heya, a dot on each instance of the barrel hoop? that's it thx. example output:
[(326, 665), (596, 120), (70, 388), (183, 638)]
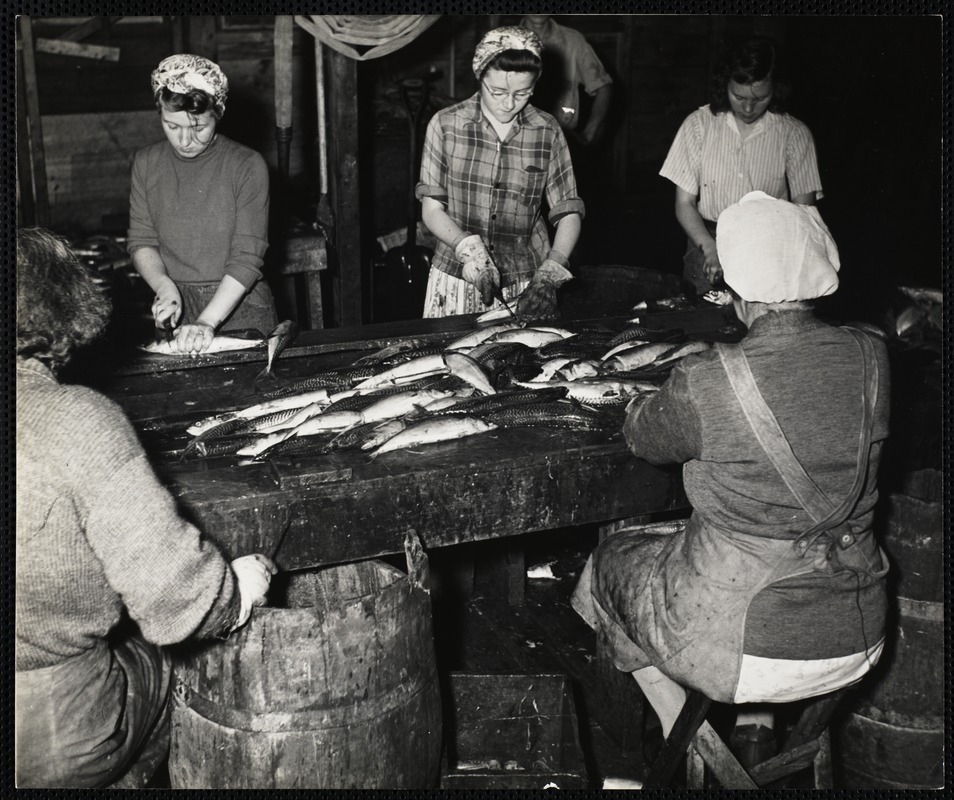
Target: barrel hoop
[(921, 609), (306, 719)]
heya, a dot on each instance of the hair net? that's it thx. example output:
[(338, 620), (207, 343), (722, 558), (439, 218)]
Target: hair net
[(774, 251), (500, 39)]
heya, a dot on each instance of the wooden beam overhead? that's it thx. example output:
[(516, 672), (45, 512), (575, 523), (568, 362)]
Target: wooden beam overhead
[(60, 47)]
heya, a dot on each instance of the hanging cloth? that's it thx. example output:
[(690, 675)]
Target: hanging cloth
[(379, 34)]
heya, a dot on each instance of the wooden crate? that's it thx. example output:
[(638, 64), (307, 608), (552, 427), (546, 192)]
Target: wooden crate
[(512, 732)]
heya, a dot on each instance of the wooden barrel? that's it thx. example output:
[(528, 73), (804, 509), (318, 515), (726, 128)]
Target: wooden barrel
[(334, 685), (893, 734)]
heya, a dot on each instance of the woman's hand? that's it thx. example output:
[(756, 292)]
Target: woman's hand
[(194, 338), (711, 267), (168, 302)]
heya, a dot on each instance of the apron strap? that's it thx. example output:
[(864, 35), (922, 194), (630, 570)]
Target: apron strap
[(773, 441)]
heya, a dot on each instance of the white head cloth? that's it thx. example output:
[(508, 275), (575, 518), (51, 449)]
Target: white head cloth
[(500, 39), (185, 72), (774, 251)]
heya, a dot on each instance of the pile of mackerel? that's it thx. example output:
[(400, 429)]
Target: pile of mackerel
[(415, 393)]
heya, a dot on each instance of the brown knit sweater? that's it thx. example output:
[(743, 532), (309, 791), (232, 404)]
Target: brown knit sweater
[(97, 532)]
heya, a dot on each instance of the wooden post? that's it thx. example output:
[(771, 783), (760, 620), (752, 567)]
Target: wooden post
[(41, 196), (342, 93)]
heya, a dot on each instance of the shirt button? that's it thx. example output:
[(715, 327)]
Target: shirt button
[(496, 186), (493, 216)]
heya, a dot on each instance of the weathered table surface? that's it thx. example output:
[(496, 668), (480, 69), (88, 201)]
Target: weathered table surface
[(320, 510)]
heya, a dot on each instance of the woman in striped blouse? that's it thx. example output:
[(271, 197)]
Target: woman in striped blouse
[(740, 142)]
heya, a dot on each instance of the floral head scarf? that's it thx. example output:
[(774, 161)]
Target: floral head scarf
[(184, 73), (500, 39)]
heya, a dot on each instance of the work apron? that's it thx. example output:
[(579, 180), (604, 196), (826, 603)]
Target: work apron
[(99, 719), (689, 601), (693, 263), (255, 312)]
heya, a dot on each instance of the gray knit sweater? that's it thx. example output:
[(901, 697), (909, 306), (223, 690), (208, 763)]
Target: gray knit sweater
[(97, 532)]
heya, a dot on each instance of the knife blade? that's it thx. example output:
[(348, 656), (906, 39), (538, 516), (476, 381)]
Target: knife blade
[(498, 295)]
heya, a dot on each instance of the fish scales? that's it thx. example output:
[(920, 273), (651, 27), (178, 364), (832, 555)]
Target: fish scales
[(409, 355), (510, 352), (552, 415), (316, 444), (568, 349), (283, 335), (331, 379), (646, 334), (512, 397), (431, 431)]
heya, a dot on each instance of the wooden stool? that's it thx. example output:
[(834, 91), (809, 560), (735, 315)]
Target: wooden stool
[(807, 744)]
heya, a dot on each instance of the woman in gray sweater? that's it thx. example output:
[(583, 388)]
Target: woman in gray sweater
[(106, 570)]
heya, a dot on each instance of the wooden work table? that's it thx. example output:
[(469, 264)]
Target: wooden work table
[(321, 510)]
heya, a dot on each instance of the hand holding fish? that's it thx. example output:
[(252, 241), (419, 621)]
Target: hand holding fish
[(168, 303), (538, 300), (195, 338), (479, 268)]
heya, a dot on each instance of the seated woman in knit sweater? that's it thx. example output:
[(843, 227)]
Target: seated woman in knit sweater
[(198, 212), (106, 570)]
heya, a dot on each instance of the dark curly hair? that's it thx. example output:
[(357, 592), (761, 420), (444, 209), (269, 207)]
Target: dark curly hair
[(59, 306), (194, 103), (751, 61)]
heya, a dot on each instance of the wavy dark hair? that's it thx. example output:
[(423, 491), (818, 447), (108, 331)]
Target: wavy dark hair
[(515, 61), (59, 306), (751, 61), (194, 103)]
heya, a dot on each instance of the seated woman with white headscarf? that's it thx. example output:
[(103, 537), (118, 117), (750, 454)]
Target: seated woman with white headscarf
[(775, 587)]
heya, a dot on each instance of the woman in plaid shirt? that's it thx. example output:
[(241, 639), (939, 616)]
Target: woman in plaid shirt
[(489, 164)]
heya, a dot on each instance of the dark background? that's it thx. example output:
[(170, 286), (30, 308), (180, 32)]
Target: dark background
[(868, 87)]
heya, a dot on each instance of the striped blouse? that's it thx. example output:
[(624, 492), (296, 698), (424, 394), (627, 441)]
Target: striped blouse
[(498, 188), (709, 159)]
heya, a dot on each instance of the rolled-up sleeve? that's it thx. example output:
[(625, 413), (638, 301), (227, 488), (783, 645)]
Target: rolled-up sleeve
[(142, 230), (562, 196), (801, 161), (666, 429), (683, 161), (250, 240), (433, 182)]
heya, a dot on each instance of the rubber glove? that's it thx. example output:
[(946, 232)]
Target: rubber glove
[(538, 300), (254, 575), (168, 303), (479, 268)]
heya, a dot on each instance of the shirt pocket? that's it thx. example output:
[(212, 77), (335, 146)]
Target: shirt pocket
[(534, 182)]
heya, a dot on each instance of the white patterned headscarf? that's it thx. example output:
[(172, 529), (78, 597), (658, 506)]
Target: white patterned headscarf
[(500, 39), (185, 72), (774, 251)]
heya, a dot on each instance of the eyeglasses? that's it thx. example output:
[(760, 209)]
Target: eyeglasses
[(500, 94)]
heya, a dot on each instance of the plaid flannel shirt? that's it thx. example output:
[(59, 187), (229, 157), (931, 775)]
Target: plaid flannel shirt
[(497, 189)]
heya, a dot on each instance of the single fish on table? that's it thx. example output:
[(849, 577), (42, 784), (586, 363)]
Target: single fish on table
[(220, 344), (430, 431), (531, 337), (598, 392), (410, 370), (480, 336), (634, 357), (470, 370), (259, 410), (283, 335), (559, 414)]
